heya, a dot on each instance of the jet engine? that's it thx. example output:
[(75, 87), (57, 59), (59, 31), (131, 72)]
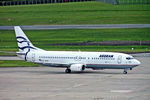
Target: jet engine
[(77, 67)]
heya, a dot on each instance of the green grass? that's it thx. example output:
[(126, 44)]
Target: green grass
[(74, 13), (43, 39), (16, 64), (134, 1), (126, 49)]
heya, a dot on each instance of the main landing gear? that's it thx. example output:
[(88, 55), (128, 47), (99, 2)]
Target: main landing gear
[(67, 70)]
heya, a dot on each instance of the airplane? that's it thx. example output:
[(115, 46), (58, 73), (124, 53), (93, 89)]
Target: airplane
[(72, 60)]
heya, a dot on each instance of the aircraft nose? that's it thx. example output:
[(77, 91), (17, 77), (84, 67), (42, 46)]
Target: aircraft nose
[(138, 62)]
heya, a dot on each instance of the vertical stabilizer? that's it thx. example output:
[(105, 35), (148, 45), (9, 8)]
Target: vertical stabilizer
[(24, 44), (22, 40)]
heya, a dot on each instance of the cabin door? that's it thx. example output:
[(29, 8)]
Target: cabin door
[(119, 60), (33, 57)]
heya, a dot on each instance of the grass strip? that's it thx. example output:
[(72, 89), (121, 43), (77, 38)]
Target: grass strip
[(17, 64), (43, 39), (78, 13)]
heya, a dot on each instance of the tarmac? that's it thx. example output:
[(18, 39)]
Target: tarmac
[(46, 83)]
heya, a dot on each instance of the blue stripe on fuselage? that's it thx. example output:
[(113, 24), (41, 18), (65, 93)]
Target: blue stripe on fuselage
[(107, 66)]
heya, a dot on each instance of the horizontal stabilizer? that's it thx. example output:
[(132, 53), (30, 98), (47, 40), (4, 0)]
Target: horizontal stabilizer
[(20, 53)]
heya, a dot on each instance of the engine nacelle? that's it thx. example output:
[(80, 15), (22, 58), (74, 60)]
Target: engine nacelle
[(77, 67)]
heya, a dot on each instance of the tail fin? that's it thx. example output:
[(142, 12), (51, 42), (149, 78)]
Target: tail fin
[(24, 44)]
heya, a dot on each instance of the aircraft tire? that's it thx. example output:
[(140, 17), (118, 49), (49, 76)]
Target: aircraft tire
[(67, 71), (125, 72)]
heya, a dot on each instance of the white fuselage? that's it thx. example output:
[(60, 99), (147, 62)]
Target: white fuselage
[(73, 61), (94, 60)]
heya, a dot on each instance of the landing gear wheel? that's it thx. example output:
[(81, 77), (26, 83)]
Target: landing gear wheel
[(125, 72), (67, 71), (130, 68)]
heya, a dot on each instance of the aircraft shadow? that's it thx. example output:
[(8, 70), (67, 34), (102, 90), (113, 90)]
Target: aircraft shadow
[(84, 72)]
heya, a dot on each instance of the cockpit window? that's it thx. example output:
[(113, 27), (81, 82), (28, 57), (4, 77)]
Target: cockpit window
[(129, 58)]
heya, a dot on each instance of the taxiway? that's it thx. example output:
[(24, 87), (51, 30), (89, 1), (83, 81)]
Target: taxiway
[(100, 26), (46, 83)]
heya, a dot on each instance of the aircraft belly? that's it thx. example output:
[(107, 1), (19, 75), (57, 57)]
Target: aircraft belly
[(55, 65), (102, 66)]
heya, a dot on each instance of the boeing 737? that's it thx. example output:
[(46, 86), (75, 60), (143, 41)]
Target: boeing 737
[(72, 60)]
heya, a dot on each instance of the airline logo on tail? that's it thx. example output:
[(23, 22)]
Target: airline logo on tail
[(24, 40), (24, 44)]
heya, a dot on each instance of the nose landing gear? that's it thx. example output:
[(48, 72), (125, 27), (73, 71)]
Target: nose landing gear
[(126, 69), (125, 72)]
